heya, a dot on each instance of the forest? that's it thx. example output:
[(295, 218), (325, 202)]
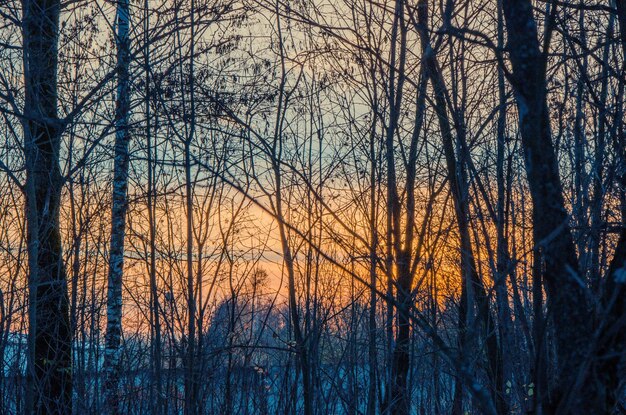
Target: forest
[(317, 207)]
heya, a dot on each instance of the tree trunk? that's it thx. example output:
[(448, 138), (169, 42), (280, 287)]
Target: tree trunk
[(568, 304), (611, 355), (156, 395), (49, 328), (190, 381), (506, 353), (398, 400), (112, 351), (372, 354), (472, 289)]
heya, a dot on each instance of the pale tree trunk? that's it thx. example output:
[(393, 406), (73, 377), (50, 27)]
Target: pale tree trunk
[(119, 208)]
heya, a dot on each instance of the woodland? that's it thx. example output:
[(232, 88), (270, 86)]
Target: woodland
[(317, 207)]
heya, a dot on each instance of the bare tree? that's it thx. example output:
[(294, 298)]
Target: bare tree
[(51, 344), (119, 208)]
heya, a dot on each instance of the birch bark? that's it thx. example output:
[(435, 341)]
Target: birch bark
[(118, 211)]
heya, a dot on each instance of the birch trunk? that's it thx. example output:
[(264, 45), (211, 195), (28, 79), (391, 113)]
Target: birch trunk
[(118, 211)]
